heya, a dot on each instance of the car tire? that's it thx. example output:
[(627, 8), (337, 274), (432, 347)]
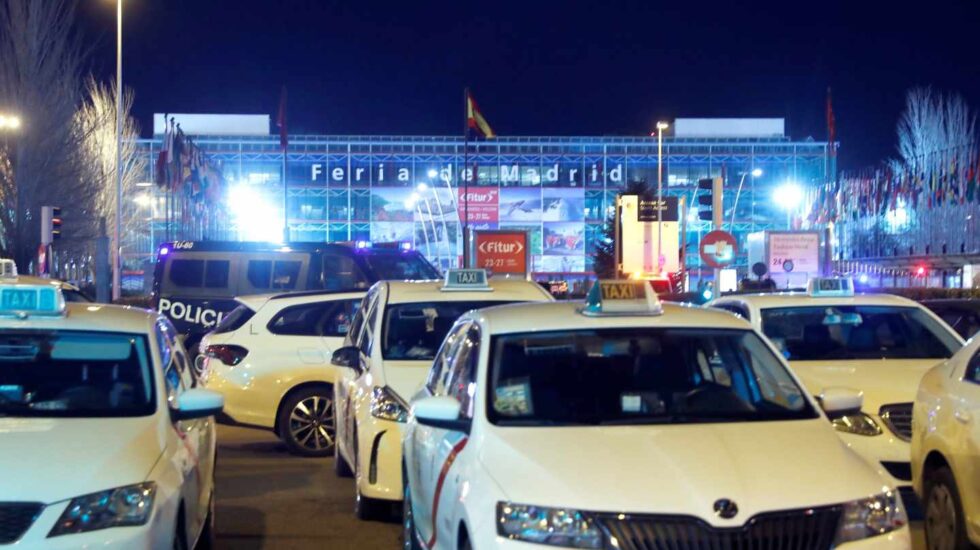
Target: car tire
[(410, 542), (944, 523), (371, 509), (207, 538), (306, 422)]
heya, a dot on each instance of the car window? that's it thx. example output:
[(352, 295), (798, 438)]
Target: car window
[(341, 273), (187, 272), (436, 381), (414, 331), (234, 320), (973, 369), (367, 333), (285, 274), (330, 318), (216, 273), (400, 266), (462, 376), (629, 376), (75, 373), (835, 332), (737, 309), (259, 273)]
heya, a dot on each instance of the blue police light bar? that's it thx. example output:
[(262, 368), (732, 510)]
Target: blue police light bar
[(619, 298), (468, 280), (830, 287), (23, 301)]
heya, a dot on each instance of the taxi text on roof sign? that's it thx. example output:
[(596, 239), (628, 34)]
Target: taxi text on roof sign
[(613, 297), (466, 280), (833, 287), (26, 300)]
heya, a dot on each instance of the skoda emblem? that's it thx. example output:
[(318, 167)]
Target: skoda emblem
[(725, 508)]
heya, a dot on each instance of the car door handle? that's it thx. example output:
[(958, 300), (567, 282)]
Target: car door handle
[(964, 417)]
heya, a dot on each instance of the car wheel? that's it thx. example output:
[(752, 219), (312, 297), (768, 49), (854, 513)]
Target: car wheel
[(408, 520), (944, 525), (306, 422), (206, 540)]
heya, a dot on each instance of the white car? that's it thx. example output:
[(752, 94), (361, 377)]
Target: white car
[(106, 442), (393, 338), (629, 424), (946, 450), (878, 344), (270, 358)]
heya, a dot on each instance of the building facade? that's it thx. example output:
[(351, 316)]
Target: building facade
[(407, 188)]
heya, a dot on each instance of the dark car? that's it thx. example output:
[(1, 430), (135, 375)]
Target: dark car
[(962, 314), (195, 282)]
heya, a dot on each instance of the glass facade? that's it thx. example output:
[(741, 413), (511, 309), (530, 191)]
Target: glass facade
[(394, 188)]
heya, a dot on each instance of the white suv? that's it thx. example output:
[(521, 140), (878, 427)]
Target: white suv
[(270, 358)]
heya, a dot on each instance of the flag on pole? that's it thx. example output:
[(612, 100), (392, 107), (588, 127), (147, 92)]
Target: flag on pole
[(475, 120), (281, 121), (831, 125)]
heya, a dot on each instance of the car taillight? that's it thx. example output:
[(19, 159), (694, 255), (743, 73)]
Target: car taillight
[(229, 355)]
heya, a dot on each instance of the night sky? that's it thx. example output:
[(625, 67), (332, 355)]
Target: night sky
[(543, 67)]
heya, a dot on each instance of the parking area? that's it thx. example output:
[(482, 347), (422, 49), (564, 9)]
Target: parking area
[(268, 498)]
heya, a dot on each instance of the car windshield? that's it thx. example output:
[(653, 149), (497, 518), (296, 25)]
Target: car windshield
[(630, 376), (414, 332), (74, 374), (400, 266), (819, 333)]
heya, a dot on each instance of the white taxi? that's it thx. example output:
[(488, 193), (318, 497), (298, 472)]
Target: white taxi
[(878, 344), (946, 450), (392, 341), (630, 424), (270, 358), (106, 442)]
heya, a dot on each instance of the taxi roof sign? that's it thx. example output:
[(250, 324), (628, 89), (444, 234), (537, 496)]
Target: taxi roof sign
[(8, 268), (621, 297), (830, 287), (466, 280), (23, 301)]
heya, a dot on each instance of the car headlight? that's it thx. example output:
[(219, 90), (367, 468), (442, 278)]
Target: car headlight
[(130, 505), (870, 517), (541, 525), (387, 406), (856, 423)]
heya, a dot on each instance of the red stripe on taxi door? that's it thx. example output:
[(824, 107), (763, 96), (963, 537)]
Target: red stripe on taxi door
[(442, 478)]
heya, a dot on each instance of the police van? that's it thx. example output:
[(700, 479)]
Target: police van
[(195, 282)]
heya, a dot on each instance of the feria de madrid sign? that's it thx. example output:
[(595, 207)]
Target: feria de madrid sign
[(382, 174)]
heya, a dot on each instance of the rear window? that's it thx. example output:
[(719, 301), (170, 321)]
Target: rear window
[(414, 332), (73, 373), (234, 320)]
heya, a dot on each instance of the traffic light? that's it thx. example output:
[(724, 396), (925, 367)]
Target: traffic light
[(50, 224), (709, 200)]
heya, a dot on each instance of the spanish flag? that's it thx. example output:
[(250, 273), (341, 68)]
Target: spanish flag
[(475, 120)]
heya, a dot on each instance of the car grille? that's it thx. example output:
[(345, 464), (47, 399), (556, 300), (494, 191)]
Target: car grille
[(16, 518), (797, 530), (898, 418)]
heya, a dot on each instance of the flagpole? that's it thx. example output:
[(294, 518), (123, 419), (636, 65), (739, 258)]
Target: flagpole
[(466, 182), (285, 203)]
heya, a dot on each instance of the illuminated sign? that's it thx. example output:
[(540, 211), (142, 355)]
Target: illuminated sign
[(502, 251)]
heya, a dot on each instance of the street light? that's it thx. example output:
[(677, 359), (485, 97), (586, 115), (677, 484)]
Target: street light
[(788, 196), (755, 173), (9, 122), (661, 126), (117, 232)]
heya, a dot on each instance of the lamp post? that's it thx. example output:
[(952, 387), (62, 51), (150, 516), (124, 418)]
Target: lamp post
[(788, 196), (117, 231), (755, 173), (661, 126)]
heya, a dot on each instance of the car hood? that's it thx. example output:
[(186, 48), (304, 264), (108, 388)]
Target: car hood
[(406, 377), (882, 381), (679, 469), (53, 459)]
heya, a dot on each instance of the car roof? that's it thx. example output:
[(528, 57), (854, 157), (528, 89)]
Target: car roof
[(32, 280), (531, 317), (798, 299), (283, 299), (85, 316), (402, 292), (956, 303)]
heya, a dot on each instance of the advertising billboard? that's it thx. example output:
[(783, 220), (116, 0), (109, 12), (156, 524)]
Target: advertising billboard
[(639, 239), (480, 205), (502, 251)]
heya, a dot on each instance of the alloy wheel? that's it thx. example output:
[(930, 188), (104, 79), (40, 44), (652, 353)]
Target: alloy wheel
[(940, 519), (311, 423)]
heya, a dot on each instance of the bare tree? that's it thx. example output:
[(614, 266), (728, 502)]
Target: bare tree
[(95, 133), (934, 127), (41, 59)]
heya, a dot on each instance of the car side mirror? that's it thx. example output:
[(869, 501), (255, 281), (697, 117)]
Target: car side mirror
[(347, 356), (440, 412), (838, 402), (197, 403)]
